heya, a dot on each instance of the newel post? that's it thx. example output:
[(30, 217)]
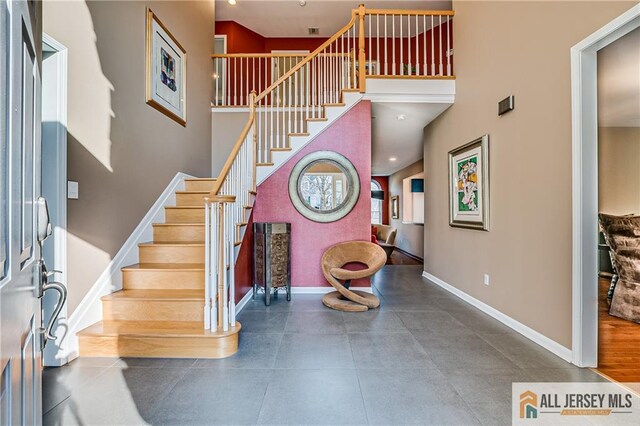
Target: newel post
[(222, 306), (362, 69)]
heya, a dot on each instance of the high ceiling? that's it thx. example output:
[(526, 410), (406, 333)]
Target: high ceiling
[(399, 139), (619, 82), (286, 18)]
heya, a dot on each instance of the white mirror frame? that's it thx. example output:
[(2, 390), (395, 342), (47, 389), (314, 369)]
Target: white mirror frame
[(353, 186)]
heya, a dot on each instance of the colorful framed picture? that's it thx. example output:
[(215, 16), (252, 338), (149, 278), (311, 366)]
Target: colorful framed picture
[(395, 207), (469, 185), (166, 71)]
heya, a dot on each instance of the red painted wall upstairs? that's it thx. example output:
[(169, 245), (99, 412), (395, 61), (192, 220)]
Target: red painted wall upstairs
[(350, 136)]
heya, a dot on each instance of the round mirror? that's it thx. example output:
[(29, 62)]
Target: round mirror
[(324, 186)]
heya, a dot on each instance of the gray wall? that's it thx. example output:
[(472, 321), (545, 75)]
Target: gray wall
[(618, 172), (527, 252), (410, 237), (122, 151), (227, 126)]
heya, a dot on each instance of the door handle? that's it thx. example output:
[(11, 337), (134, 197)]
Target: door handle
[(62, 298)]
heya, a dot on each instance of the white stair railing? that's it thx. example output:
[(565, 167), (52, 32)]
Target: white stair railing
[(225, 217), (375, 43)]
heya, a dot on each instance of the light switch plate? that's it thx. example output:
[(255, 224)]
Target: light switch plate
[(72, 190)]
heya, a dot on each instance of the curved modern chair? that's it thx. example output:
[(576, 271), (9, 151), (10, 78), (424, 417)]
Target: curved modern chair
[(333, 262)]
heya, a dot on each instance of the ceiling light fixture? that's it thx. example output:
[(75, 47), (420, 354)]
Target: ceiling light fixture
[(232, 2), (392, 158), (401, 117), (302, 3)]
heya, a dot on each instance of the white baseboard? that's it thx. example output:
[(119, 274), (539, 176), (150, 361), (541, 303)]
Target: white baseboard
[(243, 302), (298, 290), (536, 337), (89, 311)]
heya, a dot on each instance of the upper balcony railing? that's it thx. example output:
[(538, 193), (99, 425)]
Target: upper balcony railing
[(397, 44)]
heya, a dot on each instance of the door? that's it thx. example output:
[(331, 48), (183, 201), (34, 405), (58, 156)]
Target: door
[(294, 90), (20, 319)]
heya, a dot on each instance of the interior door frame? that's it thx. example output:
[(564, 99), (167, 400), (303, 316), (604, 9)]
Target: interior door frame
[(54, 188), (584, 105)]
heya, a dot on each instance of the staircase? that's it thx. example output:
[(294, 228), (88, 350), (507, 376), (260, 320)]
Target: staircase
[(160, 310), (179, 301)]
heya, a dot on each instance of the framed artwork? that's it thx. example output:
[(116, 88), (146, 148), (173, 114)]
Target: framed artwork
[(469, 185), (166, 71), (395, 207)]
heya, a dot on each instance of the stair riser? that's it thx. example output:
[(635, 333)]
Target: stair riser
[(199, 185), (190, 199), (171, 254), (158, 347), (153, 310), (184, 215), (162, 280), (182, 233)]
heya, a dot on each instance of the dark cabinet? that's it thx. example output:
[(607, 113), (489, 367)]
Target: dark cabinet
[(271, 259)]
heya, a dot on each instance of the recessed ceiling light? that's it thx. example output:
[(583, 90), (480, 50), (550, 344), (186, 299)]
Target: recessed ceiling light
[(401, 117), (302, 3), (232, 2), (392, 158)]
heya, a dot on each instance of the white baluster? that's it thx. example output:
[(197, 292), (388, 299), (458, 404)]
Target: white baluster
[(386, 46), (448, 49), (424, 46), (408, 44), (393, 44), (433, 49), (417, 51), (207, 265), (440, 48), (213, 282)]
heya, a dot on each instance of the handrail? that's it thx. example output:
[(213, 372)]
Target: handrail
[(259, 55), (409, 12), (236, 148), (306, 60)]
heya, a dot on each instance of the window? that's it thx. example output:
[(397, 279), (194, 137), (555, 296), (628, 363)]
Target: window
[(4, 142), (376, 205)]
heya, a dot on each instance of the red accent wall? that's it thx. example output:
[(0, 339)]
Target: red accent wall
[(350, 136), (309, 44), (244, 263), (240, 39), (383, 181)]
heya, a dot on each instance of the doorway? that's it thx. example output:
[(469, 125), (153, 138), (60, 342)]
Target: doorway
[(584, 77), (293, 90), (54, 184)]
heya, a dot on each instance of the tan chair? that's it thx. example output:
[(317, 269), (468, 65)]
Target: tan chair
[(386, 237), (333, 262)]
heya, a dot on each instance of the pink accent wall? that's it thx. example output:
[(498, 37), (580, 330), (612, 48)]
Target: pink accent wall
[(350, 136)]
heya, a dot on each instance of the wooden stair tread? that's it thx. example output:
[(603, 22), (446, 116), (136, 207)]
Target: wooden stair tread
[(193, 192), (165, 329), (299, 134), (336, 104), (317, 119), (185, 207), (164, 295), (172, 244), (165, 267), (180, 224), (200, 179)]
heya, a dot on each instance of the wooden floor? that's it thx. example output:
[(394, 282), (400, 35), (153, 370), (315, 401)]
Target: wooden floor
[(618, 343)]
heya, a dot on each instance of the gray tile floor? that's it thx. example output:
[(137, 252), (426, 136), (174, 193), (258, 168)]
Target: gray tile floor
[(424, 357)]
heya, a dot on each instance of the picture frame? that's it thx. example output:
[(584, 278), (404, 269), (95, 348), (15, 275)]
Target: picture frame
[(469, 185), (395, 207), (166, 71)]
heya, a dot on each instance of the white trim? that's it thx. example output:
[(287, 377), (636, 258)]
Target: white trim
[(89, 311), (229, 109), (584, 68), (243, 302), (53, 353), (536, 337)]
